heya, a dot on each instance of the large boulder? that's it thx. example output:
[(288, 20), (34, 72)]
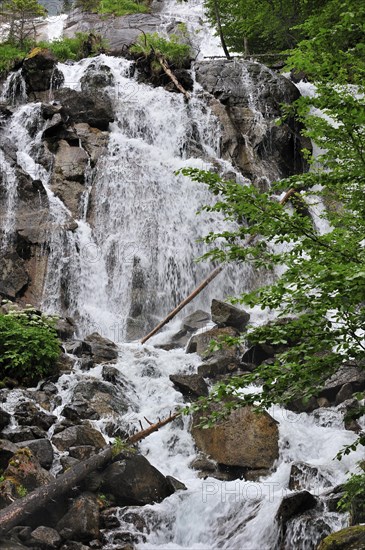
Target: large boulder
[(351, 538), (14, 277), (25, 471), (220, 361), (224, 314), (40, 71), (192, 385), (118, 32), (349, 375), (246, 439), (246, 97), (42, 449), (103, 350), (81, 522), (78, 435), (96, 77), (95, 110), (103, 398), (293, 505), (132, 480)]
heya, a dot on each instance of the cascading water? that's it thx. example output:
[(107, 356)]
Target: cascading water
[(138, 222)]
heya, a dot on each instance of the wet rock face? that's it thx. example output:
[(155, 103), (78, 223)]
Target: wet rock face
[(119, 32), (132, 480), (294, 505), (221, 361), (245, 439), (81, 522), (78, 435), (224, 314), (22, 263), (95, 110), (40, 72), (192, 385), (250, 135)]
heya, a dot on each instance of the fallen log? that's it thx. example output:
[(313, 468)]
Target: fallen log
[(20, 511), (182, 304), (171, 75), (152, 428), (288, 195)]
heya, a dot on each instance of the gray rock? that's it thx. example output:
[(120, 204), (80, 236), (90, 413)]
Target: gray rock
[(40, 72), (176, 485), (14, 277), (196, 320), (7, 450), (227, 315), (28, 414), (346, 374), (230, 84), (97, 76), (45, 537), (102, 349), (202, 462), (132, 480), (95, 110), (190, 384), (82, 452), (244, 439), (302, 475), (103, 398), (78, 435), (42, 450), (4, 419), (216, 366), (24, 469), (345, 393), (81, 521), (294, 505), (119, 32)]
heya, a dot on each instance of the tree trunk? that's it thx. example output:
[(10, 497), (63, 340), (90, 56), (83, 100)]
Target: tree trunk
[(220, 30), (19, 512), (171, 75), (152, 428), (182, 304)]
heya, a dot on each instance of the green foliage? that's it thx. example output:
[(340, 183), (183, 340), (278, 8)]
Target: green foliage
[(70, 48), (21, 15), (29, 346), (334, 44), (267, 25), (321, 290), (353, 500), (9, 55), (21, 491), (121, 446), (122, 7), (171, 49)]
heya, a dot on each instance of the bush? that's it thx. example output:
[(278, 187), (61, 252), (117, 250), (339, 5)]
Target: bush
[(172, 50), (72, 48), (29, 346), (353, 498), (122, 7), (9, 55)]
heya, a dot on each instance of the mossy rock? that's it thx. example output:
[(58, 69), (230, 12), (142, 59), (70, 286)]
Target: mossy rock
[(351, 538)]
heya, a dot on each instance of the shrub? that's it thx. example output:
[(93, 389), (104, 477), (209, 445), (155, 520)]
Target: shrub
[(353, 498), (9, 55), (170, 49), (72, 48), (122, 7), (29, 346)]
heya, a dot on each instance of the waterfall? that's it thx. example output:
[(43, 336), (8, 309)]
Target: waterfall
[(128, 260)]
